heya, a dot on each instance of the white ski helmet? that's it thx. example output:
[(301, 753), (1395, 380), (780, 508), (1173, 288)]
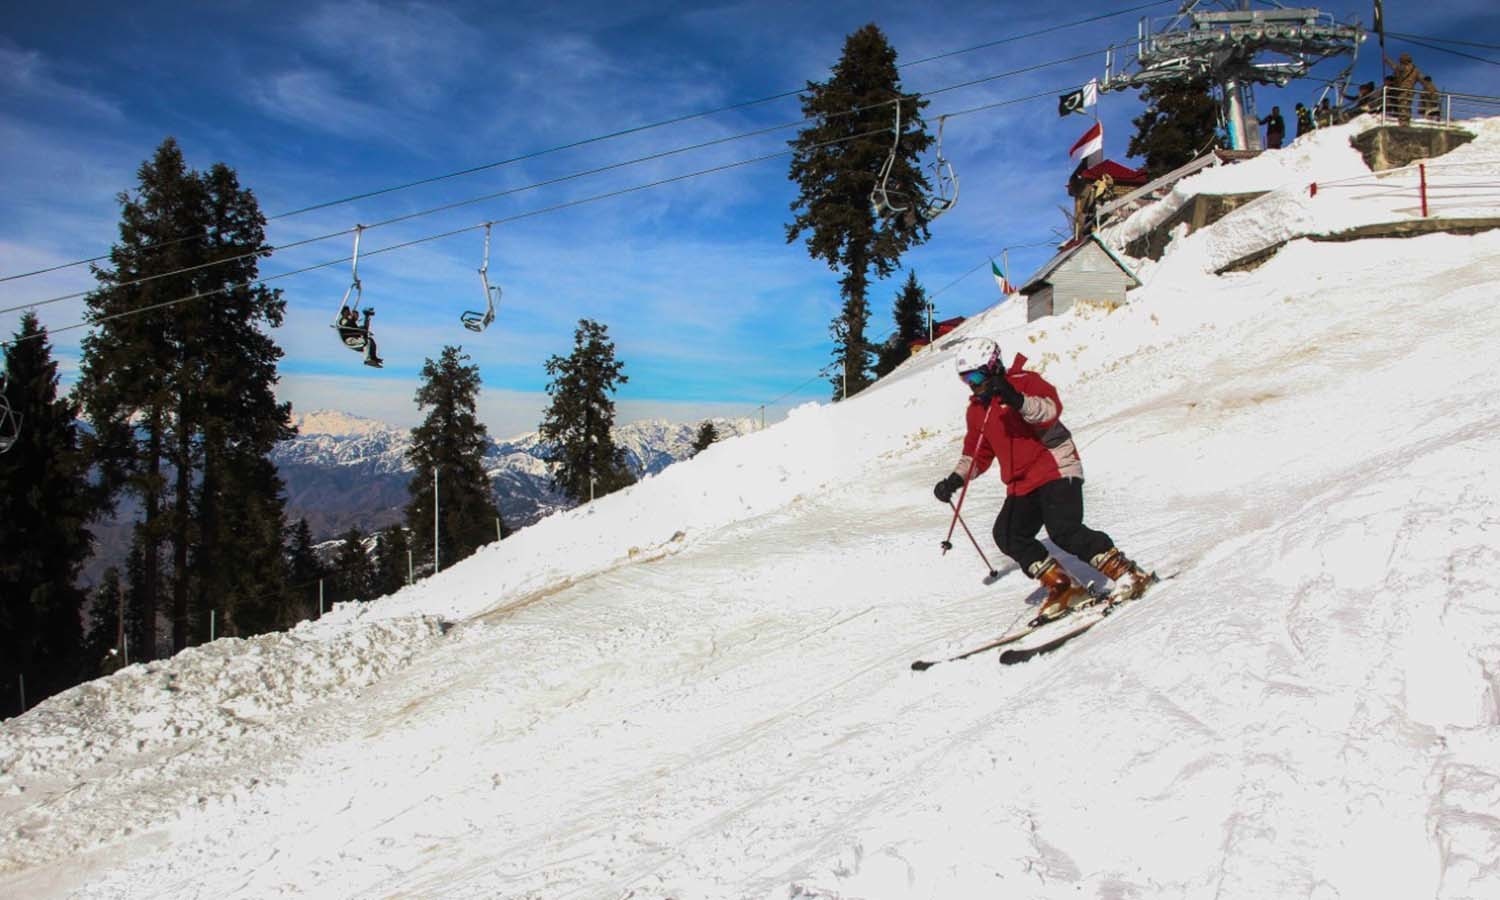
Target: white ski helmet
[(977, 353)]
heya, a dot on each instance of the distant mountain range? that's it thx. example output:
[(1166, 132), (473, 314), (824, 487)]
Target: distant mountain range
[(345, 471)]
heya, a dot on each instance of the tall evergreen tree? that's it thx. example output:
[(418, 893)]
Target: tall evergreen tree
[(102, 647), (240, 508), (391, 569), (138, 632), (353, 574), (837, 162), (178, 380), (1181, 122), (910, 315), (579, 424), (299, 597), (451, 443), (707, 435), (45, 508)]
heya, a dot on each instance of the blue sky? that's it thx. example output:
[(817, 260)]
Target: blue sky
[(712, 312)]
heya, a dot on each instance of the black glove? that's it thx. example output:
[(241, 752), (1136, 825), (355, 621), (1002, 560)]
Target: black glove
[(1001, 387), (945, 488)]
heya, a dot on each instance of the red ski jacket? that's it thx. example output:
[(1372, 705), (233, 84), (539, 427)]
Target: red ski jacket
[(1032, 444)]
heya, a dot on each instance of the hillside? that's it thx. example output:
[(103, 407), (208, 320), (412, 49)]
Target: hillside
[(699, 687)]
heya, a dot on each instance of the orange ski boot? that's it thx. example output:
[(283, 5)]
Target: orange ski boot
[(1130, 579), (1063, 593)]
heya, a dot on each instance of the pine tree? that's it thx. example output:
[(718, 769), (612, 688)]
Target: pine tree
[(102, 650), (1181, 122), (391, 561), (451, 443), (137, 634), (837, 162), (181, 393), (45, 509), (299, 597), (240, 509), (578, 426), (707, 435), (909, 313), (353, 575)]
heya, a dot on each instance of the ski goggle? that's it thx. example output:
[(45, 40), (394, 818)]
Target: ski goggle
[(974, 377)]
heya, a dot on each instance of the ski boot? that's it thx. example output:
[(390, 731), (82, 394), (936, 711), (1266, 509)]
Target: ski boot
[(1130, 579), (1063, 593)]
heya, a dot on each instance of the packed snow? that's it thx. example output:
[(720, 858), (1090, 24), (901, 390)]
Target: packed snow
[(700, 687)]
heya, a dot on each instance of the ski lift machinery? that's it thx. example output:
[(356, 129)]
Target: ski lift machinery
[(473, 319), (1235, 48), (888, 203)]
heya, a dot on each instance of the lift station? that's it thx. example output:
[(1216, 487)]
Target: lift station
[(1236, 48)]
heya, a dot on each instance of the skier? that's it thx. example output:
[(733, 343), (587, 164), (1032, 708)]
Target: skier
[(1014, 416)]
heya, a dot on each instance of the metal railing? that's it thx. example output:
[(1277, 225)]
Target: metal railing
[(1417, 107)]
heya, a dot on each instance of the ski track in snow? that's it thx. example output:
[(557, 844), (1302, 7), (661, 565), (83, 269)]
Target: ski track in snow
[(700, 687)]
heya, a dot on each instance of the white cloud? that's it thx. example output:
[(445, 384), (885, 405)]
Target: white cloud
[(30, 77), (316, 99)]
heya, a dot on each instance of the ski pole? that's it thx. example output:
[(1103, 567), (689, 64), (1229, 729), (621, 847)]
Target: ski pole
[(993, 572), (948, 541)]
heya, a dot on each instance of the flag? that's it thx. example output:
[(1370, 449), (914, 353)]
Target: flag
[(1005, 286), (1079, 100), (1089, 149)]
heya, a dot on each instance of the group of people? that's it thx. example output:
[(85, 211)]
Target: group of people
[(1404, 88)]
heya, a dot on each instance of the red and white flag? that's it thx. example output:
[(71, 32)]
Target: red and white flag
[(1090, 146)]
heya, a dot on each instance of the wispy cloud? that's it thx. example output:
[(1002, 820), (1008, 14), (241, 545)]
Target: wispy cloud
[(315, 99), (30, 77)]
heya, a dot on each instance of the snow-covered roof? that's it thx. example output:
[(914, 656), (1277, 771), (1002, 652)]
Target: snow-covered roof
[(1037, 280)]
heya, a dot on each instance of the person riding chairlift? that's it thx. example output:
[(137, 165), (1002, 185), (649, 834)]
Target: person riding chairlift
[(357, 336)]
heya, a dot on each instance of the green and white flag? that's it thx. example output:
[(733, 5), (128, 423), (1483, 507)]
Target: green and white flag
[(1000, 280)]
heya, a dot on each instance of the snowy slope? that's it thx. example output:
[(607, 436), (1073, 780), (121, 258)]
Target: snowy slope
[(699, 687)]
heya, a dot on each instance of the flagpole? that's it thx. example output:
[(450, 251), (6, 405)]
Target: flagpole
[(1005, 258)]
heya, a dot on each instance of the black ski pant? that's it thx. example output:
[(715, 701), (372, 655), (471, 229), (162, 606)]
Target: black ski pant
[(1057, 505)]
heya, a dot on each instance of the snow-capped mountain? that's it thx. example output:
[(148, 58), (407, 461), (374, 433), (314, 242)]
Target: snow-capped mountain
[(347, 471)]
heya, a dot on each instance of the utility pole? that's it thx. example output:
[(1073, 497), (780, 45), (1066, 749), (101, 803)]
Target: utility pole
[(435, 551)]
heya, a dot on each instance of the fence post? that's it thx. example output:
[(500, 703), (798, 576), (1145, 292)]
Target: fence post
[(320, 598), (211, 623), (499, 535), (1422, 174), (410, 570)]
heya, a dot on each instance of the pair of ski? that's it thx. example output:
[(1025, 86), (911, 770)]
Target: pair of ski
[(1036, 638)]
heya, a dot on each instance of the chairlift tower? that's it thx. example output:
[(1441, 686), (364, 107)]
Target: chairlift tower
[(1235, 48)]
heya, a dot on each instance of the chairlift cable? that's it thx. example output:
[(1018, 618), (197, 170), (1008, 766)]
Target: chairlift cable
[(534, 186), (1441, 40), (604, 137), (505, 220), (1453, 52)]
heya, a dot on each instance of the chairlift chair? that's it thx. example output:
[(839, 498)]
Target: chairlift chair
[(354, 334), (473, 319), (944, 181), (888, 203), (10, 420), (885, 202)]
